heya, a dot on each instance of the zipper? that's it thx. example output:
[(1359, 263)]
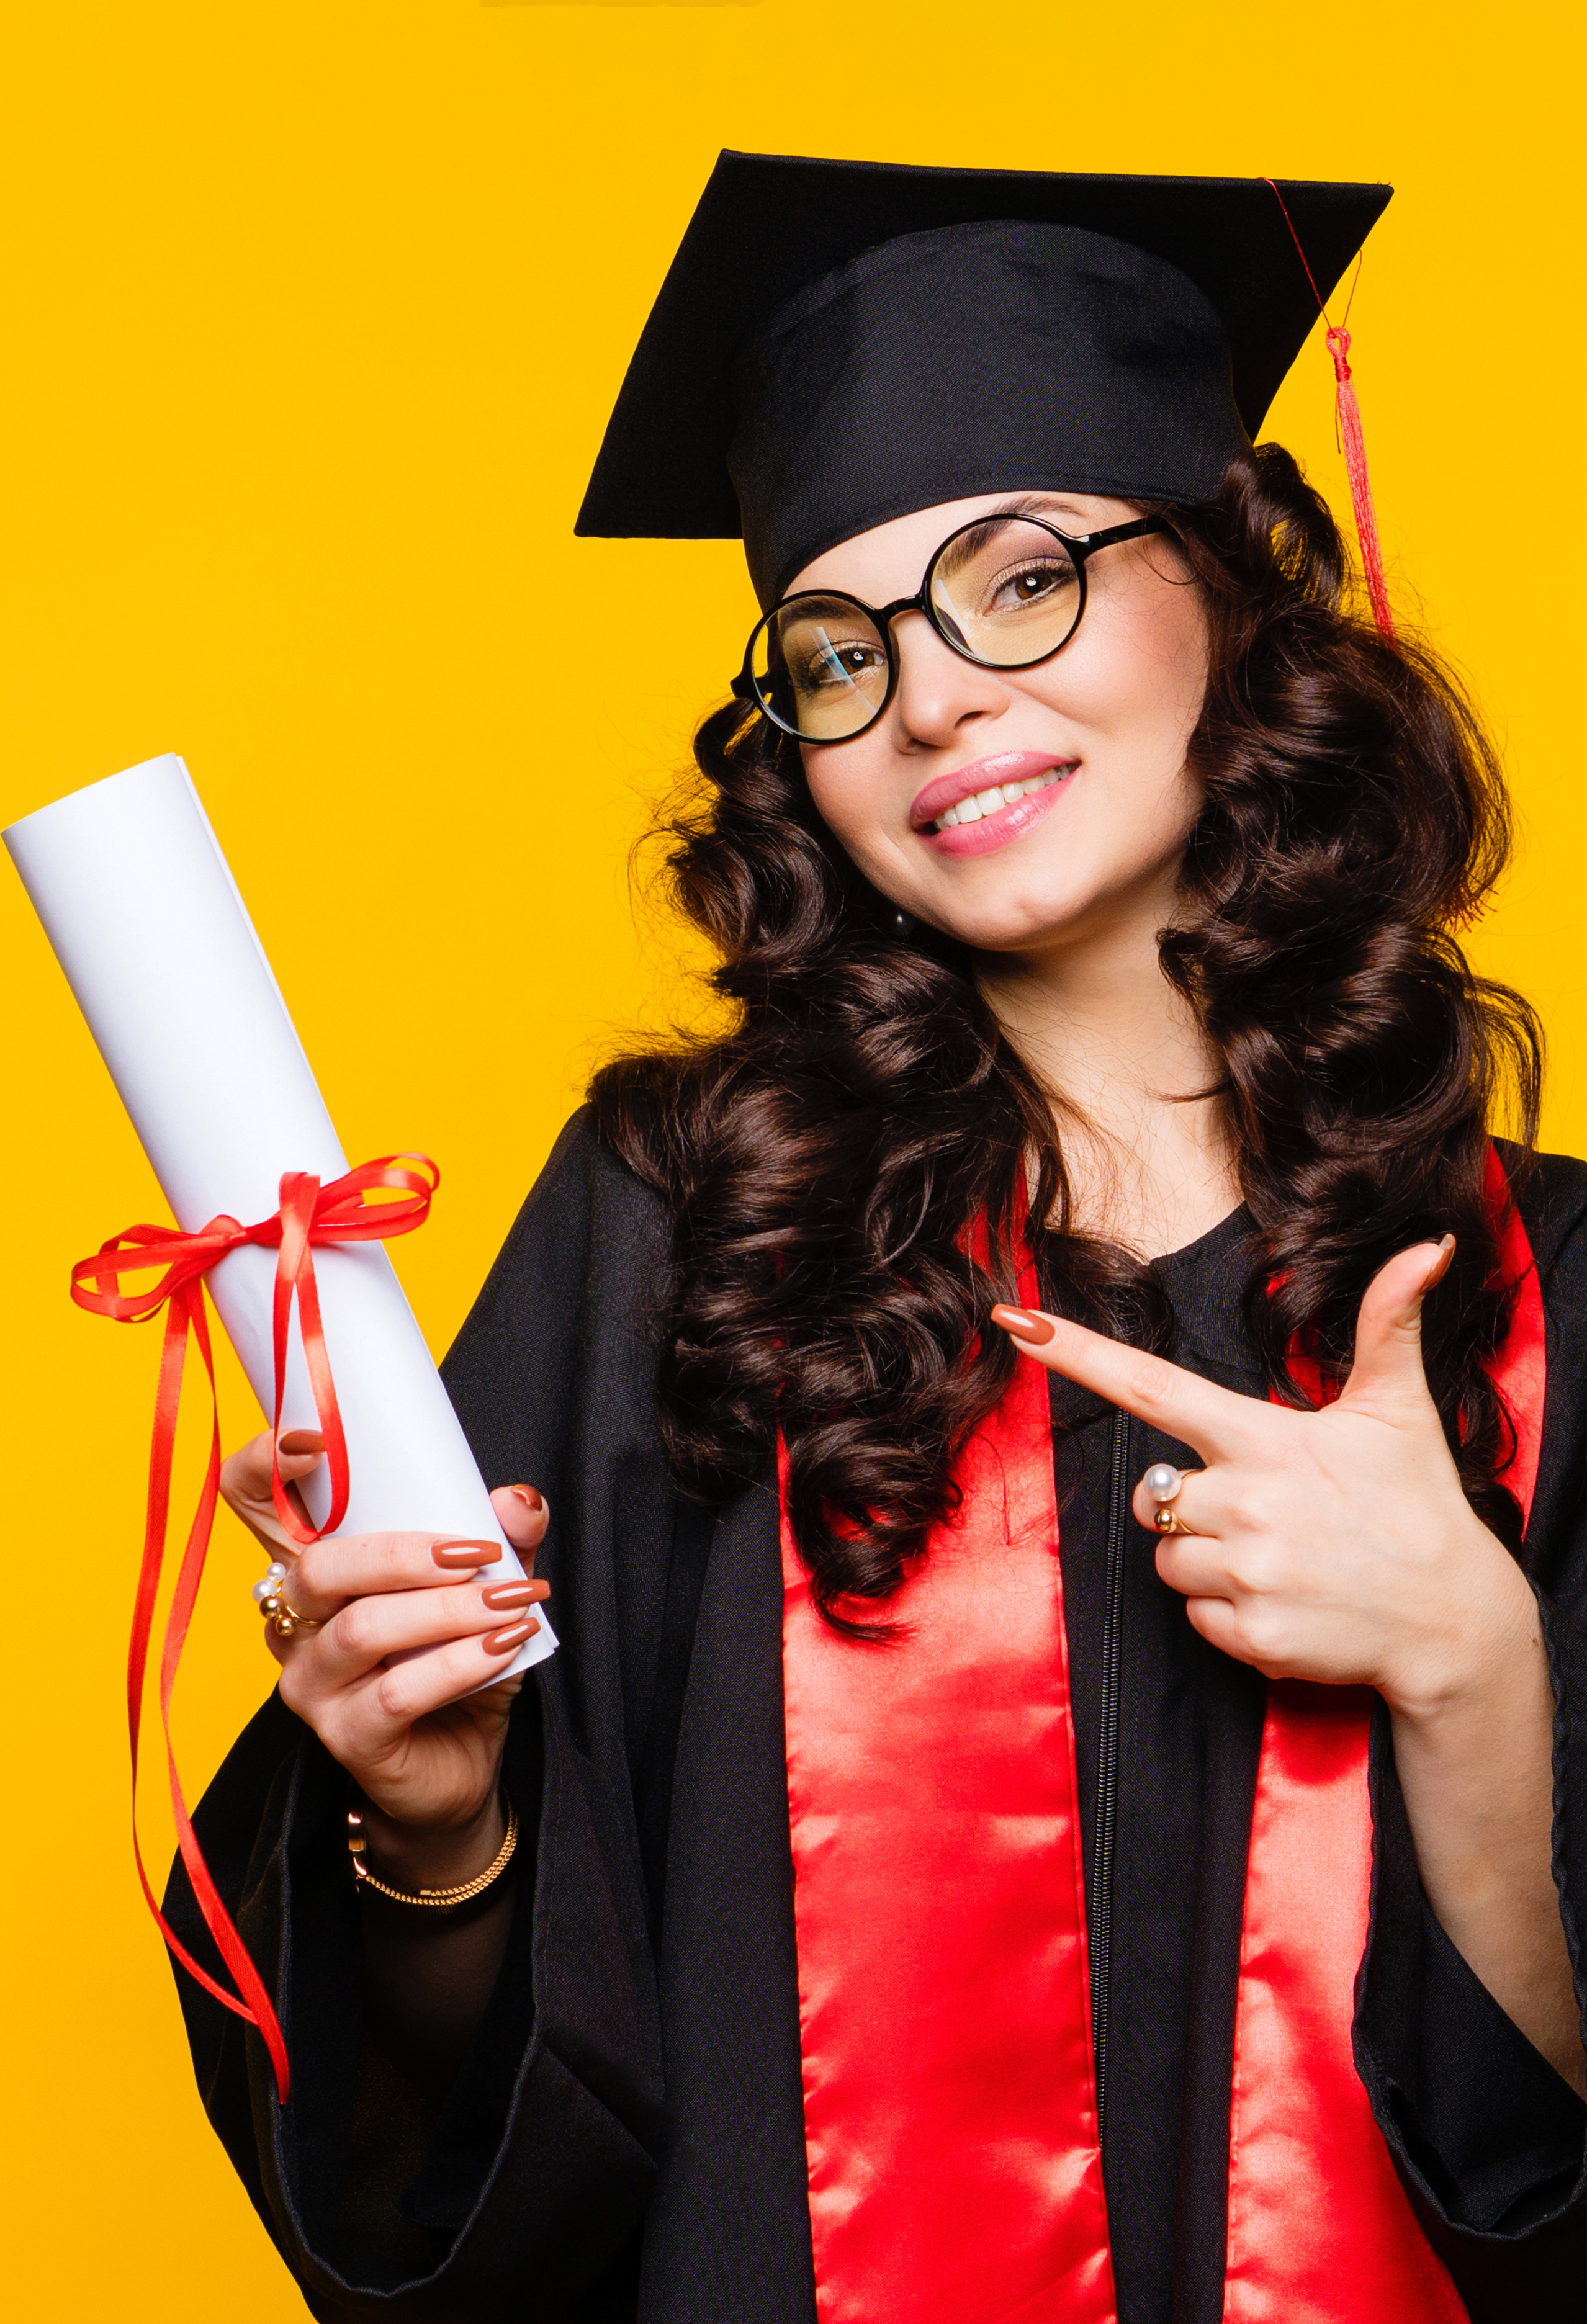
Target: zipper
[(1107, 1763)]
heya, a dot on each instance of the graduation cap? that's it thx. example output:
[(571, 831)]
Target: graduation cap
[(838, 343)]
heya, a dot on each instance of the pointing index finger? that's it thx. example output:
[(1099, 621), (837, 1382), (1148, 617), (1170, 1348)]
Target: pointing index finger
[(1192, 1410)]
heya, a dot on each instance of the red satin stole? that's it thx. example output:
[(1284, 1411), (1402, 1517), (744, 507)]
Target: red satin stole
[(1320, 2229), (939, 1904), (940, 1909)]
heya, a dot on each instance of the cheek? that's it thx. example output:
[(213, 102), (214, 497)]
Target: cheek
[(1137, 672), (850, 792), (1153, 673)]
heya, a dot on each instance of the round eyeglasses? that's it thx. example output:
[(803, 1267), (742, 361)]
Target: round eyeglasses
[(1006, 591)]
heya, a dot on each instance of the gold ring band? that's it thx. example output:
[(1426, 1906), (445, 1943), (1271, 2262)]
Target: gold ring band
[(285, 1619), (1167, 1521)]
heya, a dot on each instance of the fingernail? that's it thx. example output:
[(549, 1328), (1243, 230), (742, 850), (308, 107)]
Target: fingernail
[(534, 1502), (299, 1440), (505, 1595), (452, 1553), (1022, 1326), (1440, 1267), (502, 1642)]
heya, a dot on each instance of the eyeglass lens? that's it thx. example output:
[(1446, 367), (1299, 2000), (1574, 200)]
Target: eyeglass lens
[(1005, 592), (821, 664)]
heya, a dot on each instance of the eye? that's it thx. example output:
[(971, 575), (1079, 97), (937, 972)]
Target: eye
[(1034, 581), (840, 662)]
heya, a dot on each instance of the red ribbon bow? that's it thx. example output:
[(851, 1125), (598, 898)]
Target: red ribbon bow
[(310, 1213)]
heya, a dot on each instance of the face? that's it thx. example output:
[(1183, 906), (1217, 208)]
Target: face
[(1101, 728)]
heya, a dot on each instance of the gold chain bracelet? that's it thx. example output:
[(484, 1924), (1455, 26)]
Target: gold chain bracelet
[(357, 1848)]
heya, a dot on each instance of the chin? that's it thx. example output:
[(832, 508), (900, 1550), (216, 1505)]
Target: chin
[(1013, 924)]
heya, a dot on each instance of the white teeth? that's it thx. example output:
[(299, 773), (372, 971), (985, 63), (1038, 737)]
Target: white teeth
[(984, 803)]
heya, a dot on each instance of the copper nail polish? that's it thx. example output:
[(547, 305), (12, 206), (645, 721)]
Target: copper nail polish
[(502, 1642), (452, 1553), (506, 1595), (298, 1441), (1440, 1267), (533, 1502), (1022, 1326)]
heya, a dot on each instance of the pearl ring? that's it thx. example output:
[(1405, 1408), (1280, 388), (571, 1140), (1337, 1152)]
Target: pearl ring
[(267, 1597)]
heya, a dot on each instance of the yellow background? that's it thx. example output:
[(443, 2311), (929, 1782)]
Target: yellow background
[(315, 311)]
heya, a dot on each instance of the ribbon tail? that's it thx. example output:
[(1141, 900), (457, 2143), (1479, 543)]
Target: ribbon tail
[(186, 1313), (157, 1514), (299, 1190), (326, 1406), (301, 1198)]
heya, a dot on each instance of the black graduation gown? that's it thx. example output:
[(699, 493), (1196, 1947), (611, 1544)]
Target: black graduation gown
[(624, 2143)]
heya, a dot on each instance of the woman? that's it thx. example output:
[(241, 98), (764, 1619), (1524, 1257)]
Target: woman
[(946, 1898)]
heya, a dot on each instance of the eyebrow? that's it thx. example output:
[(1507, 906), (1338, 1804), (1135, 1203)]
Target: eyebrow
[(1033, 504)]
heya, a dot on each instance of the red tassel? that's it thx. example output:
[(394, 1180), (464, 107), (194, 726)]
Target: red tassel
[(1360, 487), (1349, 413)]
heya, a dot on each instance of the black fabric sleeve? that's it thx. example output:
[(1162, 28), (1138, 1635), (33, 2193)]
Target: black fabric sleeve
[(1491, 2128), (521, 2190), (1490, 2142)]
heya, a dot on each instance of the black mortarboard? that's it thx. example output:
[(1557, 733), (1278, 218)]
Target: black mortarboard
[(837, 343)]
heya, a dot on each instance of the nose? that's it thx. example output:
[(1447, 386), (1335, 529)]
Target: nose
[(939, 693)]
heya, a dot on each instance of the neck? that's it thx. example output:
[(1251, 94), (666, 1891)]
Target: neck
[(1128, 1067)]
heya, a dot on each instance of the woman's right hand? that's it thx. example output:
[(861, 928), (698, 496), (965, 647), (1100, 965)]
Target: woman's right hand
[(422, 1738)]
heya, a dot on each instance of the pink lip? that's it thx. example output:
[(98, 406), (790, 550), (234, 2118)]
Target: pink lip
[(992, 831)]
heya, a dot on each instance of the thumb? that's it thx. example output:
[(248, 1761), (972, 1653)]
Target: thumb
[(244, 1481), (1388, 1367), (297, 1450), (522, 1512)]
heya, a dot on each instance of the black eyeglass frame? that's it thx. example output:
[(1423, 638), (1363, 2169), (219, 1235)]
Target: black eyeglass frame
[(1082, 547)]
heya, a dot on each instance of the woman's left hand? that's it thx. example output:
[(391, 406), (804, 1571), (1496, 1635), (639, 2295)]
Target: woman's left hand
[(1334, 1545), (1338, 1545)]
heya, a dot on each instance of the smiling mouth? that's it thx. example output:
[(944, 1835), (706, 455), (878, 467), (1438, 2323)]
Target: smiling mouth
[(977, 805)]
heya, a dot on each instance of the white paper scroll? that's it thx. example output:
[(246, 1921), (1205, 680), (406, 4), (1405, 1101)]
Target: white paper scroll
[(147, 920)]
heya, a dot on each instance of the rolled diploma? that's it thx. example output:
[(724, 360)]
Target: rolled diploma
[(147, 922)]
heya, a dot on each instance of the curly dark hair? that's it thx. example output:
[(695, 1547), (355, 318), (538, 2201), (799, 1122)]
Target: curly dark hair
[(826, 1159)]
